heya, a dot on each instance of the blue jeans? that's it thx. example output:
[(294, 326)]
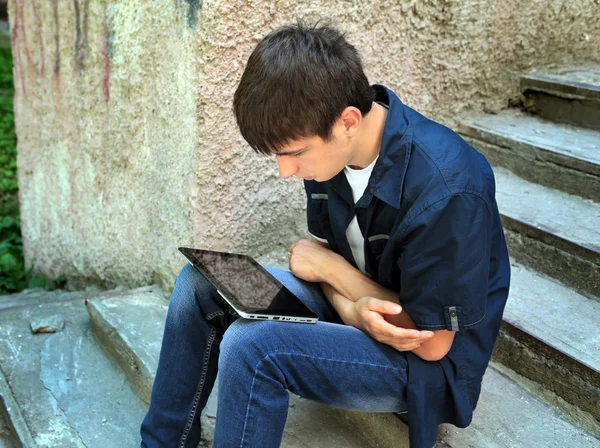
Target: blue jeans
[(259, 362)]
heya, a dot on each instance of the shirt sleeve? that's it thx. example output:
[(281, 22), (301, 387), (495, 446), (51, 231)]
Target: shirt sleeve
[(444, 264), (323, 240)]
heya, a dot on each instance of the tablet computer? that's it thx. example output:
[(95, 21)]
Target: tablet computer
[(248, 287)]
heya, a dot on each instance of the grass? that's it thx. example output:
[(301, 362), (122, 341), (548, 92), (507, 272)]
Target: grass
[(13, 276)]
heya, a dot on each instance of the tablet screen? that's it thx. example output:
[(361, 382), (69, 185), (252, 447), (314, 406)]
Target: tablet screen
[(246, 283)]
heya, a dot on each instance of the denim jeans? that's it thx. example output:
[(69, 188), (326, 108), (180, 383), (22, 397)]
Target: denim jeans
[(258, 363)]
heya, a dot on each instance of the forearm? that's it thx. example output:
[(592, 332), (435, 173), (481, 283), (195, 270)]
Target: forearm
[(343, 306), (351, 284)]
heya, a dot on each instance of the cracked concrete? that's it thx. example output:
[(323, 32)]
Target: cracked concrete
[(71, 393)]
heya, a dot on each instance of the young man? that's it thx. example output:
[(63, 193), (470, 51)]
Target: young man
[(409, 276)]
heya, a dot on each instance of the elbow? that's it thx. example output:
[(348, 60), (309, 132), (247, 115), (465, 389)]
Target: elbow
[(437, 347), (429, 355)]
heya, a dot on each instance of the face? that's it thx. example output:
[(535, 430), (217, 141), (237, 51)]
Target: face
[(313, 159)]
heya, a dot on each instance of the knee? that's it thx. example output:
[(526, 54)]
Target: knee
[(189, 286), (244, 342)]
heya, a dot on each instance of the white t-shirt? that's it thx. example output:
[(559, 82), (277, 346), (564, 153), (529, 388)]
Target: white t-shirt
[(358, 180)]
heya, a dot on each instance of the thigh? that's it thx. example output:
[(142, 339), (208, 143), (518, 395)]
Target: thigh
[(309, 293), (336, 365)]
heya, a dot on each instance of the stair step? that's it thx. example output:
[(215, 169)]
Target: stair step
[(550, 335), (509, 414), (553, 232), (36, 296), (130, 325), (560, 156), (566, 94), (312, 425), (12, 423), (69, 392)]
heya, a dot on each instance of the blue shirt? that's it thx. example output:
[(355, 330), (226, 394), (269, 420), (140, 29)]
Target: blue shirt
[(432, 232)]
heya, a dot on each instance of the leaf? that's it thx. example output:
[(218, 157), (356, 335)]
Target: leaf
[(8, 262), (39, 281)]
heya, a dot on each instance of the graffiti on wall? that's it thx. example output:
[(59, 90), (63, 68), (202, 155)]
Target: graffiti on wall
[(22, 9), (81, 32), (21, 42)]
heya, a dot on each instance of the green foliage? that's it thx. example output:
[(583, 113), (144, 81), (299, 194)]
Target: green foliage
[(13, 277), (8, 139)]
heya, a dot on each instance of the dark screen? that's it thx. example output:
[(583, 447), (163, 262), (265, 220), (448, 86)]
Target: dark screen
[(246, 283)]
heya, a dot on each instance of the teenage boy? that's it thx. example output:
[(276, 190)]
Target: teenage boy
[(409, 274)]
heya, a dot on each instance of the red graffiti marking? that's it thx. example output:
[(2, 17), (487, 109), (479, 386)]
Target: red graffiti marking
[(106, 83), (22, 23), (39, 35), (14, 38)]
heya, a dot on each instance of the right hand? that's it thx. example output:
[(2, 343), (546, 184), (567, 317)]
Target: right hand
[(368, 317)]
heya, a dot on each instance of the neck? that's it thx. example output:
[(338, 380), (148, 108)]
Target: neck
[(368, 144)]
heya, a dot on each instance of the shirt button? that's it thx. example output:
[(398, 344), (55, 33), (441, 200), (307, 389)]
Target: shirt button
[(453, 313)]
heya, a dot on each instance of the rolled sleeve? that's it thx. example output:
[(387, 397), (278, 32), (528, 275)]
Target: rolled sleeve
[(444, 264), (323, 240)]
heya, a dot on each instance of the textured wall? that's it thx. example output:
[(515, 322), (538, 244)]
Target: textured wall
[(127, 144)]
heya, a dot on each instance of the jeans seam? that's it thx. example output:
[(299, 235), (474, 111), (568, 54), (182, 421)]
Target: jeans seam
[(305, 356), (200, 387), (216, 313)]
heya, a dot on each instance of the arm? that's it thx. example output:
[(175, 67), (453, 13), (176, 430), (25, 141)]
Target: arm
[(346, 284)]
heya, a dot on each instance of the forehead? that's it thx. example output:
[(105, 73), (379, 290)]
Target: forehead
[(296, 146)]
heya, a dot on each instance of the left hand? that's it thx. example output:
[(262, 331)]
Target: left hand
[(370, 316), (309, 259)]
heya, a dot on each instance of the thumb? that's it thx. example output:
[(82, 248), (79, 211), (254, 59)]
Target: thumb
[(384, 306)]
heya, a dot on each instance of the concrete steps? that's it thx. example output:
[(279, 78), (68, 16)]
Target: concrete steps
[(511, 413), (550, 335), (548, 192), (533, 422), (12, 424), (560, 156), (62, 389), (134, 338), (554, 232), (565, 94)]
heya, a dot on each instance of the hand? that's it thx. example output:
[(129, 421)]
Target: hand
[(308, 260), (369, 317)]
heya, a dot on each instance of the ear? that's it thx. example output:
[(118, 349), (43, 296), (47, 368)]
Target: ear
[(350, 118)]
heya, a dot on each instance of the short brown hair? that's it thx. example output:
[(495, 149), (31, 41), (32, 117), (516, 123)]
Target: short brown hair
[(297, 82)]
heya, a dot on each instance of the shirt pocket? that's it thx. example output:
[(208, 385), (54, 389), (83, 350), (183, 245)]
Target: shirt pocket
[(376, 244), (318, 215)]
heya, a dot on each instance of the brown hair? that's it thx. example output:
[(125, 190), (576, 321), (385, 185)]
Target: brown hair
[(297, 82)]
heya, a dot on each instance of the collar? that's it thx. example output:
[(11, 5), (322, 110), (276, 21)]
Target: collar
[(387, 179)]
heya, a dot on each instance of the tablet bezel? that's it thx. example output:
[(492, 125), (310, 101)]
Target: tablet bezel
[(224, 291)]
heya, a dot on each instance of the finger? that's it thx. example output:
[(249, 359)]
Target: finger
[(382, 326), (416, 335), (383, 306), (379, 324)]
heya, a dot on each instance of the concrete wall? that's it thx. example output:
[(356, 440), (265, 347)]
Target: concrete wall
[(127, 144)]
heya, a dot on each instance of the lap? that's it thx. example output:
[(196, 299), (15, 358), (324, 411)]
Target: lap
[(309, 293), (328, 362)]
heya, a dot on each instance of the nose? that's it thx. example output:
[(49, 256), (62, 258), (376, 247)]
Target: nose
[(287, 166)]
